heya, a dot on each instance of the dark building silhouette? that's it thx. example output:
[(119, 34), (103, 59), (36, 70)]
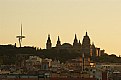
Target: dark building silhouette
[(93, 50), (10, 54), (58, 42), (79, 44), (86, 46), (75, 43), (98, 52), (89, 50), (48, 44), (102, 52)]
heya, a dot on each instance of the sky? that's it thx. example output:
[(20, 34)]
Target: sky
[(64, 18)]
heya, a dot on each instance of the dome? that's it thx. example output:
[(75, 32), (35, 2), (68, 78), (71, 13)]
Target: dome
[(66, 45)]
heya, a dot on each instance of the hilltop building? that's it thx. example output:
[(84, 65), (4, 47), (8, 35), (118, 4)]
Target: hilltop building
[(86, 48), (58, 42), (48, 44), (86, 45)]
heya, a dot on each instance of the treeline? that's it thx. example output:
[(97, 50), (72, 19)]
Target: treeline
[(13, 55), (62, 54)]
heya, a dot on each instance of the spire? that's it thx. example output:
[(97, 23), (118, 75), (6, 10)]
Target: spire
[(75, 37), (75, 43), (58, 38), (58, 42), (48, 36), (86, 45), (79, 43), (86, 33), (48, 44)]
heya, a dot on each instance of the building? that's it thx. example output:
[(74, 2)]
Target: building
[(46, 63), (48, 44), (86, 48), (33, 63), (58, 42)]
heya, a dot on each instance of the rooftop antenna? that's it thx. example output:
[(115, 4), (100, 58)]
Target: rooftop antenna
[(20, 37)]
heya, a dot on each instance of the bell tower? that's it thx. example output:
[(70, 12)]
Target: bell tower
[(75, 43), (58, 42), (48, 44)]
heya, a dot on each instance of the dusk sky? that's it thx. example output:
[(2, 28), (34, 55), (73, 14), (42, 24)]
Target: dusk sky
[(64, 18)]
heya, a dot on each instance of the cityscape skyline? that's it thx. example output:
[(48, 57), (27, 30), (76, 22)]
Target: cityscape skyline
[(63, 18)]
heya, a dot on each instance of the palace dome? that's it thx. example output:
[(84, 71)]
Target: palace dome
[(66, 45)]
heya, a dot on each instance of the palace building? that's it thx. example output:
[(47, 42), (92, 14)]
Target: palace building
[(86, 48)]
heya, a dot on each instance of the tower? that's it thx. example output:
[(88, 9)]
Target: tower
[(79, 44), (93, 50), (58, 42), (48, 44), (86, 45), (75, 43), (20, 37)]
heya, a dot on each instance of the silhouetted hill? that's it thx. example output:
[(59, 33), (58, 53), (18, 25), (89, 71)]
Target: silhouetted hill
[(61, 54), (9, 54)]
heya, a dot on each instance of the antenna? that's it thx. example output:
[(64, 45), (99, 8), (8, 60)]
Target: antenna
[(20, 37), (21, 29)]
